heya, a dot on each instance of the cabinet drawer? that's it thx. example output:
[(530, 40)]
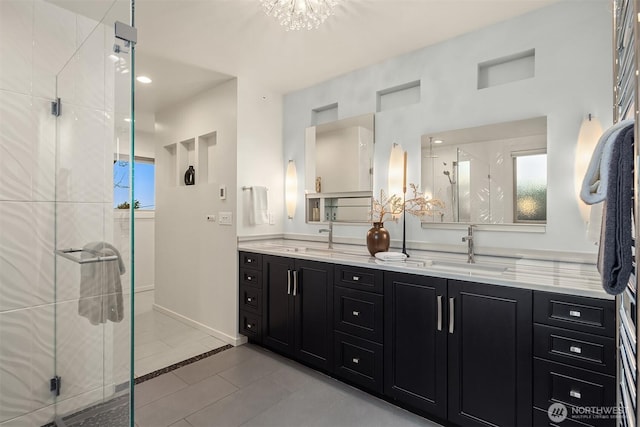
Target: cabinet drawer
[(358, 278), (358, 313), (358, 361), (580, 313), (555, 382), (250, 260), (586, 351), (251, 326), (541, 419), (250, 277), (251, 299)]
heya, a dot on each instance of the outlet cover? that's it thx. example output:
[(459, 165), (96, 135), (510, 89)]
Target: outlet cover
[(225, 218), (211, 218)]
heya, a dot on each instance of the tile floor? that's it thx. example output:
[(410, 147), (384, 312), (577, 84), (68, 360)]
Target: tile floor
[(161, 340), (249, 386)]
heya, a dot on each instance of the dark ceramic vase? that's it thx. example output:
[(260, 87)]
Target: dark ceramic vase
[(190, 176), (378, 239)]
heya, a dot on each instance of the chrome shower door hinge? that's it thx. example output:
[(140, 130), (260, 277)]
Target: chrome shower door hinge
[(55, 384), (56, 107), (126, 32)]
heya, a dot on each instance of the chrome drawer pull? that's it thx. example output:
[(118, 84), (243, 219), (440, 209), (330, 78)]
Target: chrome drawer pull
[(249, 326), (574, 313), (356, 360), (575, 394), (249, 299), (356, 313), (356, 278), (249, 278), (249, 260), (574, 349)]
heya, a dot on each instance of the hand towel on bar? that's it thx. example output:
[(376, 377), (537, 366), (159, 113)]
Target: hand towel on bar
[(595, 183), (615, 258), (391, 256), (259, 213), (100, 286)]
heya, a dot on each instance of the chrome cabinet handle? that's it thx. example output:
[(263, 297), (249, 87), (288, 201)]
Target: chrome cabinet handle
[(249, 260), (439, 312), (356, 278), (355, 360), (249, 278), (575, 349), (248, 325), (451, 314), (576, 394), (356, 313), (295, 282), (288, 282), (249, 299), (574, 313)]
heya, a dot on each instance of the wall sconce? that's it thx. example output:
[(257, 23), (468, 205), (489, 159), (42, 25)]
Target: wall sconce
[(291, 189), (590, 132)]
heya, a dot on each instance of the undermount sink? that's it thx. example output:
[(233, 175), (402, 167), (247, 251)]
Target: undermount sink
[(470, 269)]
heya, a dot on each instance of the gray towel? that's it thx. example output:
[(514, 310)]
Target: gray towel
[(615, 258), (100, 286), (595, 183)]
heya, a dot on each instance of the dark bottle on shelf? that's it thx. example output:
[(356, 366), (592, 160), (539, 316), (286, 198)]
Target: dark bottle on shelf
[(190, 176)]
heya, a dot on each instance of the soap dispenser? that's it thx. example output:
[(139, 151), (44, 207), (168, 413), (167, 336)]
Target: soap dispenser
[(190, 176)]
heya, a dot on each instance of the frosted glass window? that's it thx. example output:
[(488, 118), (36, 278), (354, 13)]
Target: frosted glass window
[(530, 173)]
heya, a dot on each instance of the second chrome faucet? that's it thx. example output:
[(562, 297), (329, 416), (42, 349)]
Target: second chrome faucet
[(471, 257), (330, 231)]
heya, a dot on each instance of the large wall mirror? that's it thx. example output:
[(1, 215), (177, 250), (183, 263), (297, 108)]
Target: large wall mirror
[(491, 174), (339, 170)]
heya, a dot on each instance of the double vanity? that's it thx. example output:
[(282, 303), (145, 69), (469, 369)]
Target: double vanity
[(493, 343)]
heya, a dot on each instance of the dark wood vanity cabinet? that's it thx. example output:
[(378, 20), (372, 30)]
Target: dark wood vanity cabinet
[(574, 356), (298, 308), (459, 350), (490, 351), (464, 353)]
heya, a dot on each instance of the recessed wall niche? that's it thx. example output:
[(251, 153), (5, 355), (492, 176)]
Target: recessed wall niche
[(398, 96), (507, 69), (206, 158), (186, 157), (199, 152)]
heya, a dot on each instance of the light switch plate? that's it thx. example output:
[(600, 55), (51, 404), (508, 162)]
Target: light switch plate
[(211, 218), (225, 218)]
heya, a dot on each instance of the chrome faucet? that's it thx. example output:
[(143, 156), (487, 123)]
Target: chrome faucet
[(330, 231), (471, 257)]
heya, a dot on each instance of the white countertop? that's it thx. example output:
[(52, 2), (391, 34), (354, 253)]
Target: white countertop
[(552, 276)]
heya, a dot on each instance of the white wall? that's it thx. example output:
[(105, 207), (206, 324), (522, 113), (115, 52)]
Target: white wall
[(196, 260), (572, 42), (260, 160)]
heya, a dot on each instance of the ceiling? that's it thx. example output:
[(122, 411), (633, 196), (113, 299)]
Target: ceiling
[(188, 45)]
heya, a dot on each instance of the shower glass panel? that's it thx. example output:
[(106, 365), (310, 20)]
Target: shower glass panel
[(65, 322), (93, 280)]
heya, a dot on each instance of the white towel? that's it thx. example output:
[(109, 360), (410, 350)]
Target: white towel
[(259, 213), (391, 256), (594, 185)]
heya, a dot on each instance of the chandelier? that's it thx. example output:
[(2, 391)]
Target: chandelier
[(298, 14)]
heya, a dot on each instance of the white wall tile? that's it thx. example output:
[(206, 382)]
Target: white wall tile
[(54, 41), (43, 353), (16, 35), (26, 254), (90, 81), (43, 150), (15, 364)]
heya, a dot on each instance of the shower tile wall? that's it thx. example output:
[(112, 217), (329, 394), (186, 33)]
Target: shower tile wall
[(37, 39)]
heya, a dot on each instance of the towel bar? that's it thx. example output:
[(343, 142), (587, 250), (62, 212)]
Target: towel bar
[(66, 253), (245, 188)]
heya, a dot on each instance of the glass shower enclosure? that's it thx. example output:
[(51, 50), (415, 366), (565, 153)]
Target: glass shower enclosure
[(66, 264)]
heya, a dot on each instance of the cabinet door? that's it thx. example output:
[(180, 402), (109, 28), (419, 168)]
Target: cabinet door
[(277, 314), (415, 349), (490, 355), (314, 313)]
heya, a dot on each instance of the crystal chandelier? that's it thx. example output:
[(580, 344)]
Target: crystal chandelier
[(298, 14)]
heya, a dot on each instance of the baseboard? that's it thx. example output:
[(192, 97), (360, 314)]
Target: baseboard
[(144, 288), (234, 341)]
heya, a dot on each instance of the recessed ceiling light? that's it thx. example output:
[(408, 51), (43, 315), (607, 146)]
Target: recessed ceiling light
[(144, 79), (438, 141)]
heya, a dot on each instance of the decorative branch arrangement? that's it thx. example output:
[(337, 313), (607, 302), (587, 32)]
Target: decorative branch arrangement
[(419, 205)]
